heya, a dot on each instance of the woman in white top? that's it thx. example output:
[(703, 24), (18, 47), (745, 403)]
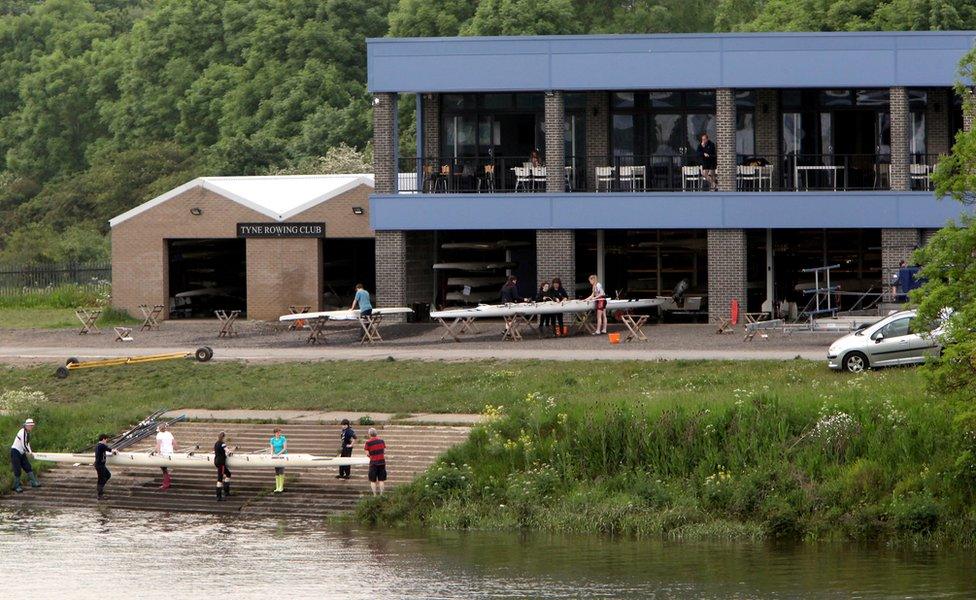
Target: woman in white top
[(19, 451), (601, 305), (165, 445)]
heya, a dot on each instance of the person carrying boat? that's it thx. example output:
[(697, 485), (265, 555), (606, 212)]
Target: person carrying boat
[(347, 437), (165, 446), (18, 456), (101, 450), (558, 294), (220, 462), (376, 450), (362, 301), (279, 447)]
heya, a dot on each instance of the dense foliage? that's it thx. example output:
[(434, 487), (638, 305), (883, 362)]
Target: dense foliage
[(854, 457), (105, 103)]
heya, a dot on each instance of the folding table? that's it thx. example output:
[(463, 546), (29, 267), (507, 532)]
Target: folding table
[(635, 327), (227, 322), (88, 317), (298, 310), (150, 316)]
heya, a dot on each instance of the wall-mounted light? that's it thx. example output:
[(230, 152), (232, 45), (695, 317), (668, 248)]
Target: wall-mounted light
[(358, 210), (376, 100), (765, 108), (596, 111), (937, 107), (196, 212)]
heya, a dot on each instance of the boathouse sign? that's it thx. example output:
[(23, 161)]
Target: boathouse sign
[(281, 230)]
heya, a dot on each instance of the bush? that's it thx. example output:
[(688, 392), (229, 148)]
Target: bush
[(917, 514)]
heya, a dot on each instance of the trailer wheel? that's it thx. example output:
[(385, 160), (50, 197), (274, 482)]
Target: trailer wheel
[(203, 354), (61, 372), (71, 361)]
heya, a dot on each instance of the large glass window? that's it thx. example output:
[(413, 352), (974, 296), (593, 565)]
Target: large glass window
[(660, 123), (916, 140), (745, 133)]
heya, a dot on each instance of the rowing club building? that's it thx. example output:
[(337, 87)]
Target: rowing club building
[(258, 245), (561, 156)]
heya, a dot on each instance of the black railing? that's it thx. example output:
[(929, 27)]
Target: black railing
[(660, 173), (15, 280)]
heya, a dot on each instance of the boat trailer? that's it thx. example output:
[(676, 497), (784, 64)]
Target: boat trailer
[(202, 354)]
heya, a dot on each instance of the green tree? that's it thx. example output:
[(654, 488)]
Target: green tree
[(948, 260), (523, 17), (430, 18)]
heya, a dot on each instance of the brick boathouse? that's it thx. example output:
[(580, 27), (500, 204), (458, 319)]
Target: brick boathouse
[(254, 244)]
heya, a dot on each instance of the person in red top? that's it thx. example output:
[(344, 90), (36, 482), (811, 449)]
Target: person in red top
[(375, 447)]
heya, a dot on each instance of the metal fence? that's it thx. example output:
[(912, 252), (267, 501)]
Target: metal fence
[(16, 280)]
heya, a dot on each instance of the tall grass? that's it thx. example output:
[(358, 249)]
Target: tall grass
[(62, 296), (855, 461)]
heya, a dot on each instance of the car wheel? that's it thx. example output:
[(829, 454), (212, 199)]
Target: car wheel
[(855, 362)]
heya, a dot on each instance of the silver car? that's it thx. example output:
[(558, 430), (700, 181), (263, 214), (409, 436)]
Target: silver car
[(890, 341)]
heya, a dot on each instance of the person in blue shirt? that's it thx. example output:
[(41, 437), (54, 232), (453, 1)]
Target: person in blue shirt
[(279, 446), (347, 437), (362, 301)]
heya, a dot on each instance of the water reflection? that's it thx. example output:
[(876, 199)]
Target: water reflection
[(96, 554)]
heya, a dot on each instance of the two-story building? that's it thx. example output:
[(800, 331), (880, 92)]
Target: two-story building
[(568, 155)]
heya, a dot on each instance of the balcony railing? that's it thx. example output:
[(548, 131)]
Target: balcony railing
[(659, 173)]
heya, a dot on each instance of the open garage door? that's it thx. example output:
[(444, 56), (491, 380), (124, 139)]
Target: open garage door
[(346, 262), (206, 275)]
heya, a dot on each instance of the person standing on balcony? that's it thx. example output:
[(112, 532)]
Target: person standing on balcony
[(708, 160), (535, 159)]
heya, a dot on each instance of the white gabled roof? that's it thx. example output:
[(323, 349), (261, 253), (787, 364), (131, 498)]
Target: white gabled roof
[(277, 196)]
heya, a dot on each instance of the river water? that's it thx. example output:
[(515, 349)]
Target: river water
[(118, 554)]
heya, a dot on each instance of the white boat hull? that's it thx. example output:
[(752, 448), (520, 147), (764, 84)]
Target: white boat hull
[(203, 460), (344, 315), (540, 308)]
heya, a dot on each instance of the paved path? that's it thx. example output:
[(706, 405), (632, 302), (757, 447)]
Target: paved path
[(40, 354), (310, 416)]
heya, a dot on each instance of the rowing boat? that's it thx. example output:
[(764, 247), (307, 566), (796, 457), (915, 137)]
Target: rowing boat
[(540, 308), (203, 460), (344, 315)]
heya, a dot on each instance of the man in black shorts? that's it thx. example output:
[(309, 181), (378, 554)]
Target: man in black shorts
[(103, 473), (347, 437), (375, 449), (223, 473)]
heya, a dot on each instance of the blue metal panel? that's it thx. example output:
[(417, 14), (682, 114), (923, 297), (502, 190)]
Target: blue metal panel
[(677, 210), (678, 61)]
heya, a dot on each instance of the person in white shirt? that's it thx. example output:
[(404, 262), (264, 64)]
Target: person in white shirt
[(18, 456), (601, 305), (165, 445)]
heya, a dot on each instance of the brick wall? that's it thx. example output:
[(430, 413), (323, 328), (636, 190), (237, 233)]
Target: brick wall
[(726, 270), (937, 122), (404, 267), (391, 272), (899, 139), (385, 143), (725, 138), (967, 115), (555, 122), (555, 252), (925, 235), (432, 125), (597, 134), (896, 245), (768, 128), (279, 272)]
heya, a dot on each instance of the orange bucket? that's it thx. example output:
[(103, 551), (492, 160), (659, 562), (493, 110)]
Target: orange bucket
[(614, 338), (565, 329)]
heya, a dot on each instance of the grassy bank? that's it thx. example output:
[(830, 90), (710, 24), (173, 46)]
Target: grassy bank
[(717, 451), (684, 449), (54, 308)]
